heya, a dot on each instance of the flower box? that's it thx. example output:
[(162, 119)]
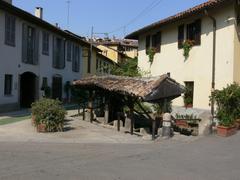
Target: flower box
[(181, 123), (226, 131)]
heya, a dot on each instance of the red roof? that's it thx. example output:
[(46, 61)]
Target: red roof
[(209, 5)]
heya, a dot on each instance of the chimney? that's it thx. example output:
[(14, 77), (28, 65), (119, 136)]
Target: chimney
[(39, 12), (8, 1)]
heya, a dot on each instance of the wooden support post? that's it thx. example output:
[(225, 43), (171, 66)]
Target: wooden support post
[(90, 105), (84, 118), (78, 110), (132, 122), (118, 121), (106, 113), (153, 129)]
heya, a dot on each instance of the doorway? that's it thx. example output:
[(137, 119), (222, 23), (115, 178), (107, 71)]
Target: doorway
[(28, 89), (57, 87)]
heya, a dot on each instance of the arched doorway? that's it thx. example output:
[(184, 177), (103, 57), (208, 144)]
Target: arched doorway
[(28, 89)]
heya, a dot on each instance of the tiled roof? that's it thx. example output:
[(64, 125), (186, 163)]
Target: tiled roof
[(209, 5), (40, 22), (150, 89)]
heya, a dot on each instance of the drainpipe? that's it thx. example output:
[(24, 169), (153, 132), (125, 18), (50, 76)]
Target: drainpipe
[(213, 64)]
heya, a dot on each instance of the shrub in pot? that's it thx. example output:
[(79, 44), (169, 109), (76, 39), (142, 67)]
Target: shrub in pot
[(49, 115), (228, 103), (226, 126)]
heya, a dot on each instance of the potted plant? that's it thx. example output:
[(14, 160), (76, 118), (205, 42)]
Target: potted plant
[(226, 126), (187, 46), (237, 122), (188, 97), (181, 121), (48, 115), (228, 101), (151, 53)]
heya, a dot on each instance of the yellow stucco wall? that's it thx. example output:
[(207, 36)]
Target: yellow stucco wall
[(133, 53), (236, 73), (198, 67), (85, 64), (111, 54)]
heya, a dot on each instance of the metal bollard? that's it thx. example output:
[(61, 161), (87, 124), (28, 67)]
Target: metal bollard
[(167, 126)]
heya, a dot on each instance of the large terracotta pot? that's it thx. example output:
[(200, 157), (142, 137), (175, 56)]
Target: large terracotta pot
[(181, 123), (238, 124), (226, 131), (41, 128)]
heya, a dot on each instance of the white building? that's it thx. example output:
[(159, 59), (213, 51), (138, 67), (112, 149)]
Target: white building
[(34, 55), (198, 71)]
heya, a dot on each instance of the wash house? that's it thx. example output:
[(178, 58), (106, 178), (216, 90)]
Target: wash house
[(112, 94)]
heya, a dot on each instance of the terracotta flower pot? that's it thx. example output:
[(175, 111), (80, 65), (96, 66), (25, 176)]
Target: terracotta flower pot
[(237, 123), (188, 106), (41, 128), (226, 131), (181, 123)]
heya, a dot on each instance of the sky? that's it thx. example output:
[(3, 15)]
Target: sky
[(106, 16)]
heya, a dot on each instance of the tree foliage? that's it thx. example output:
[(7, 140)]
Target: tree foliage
[(228, 104), (127, 68)]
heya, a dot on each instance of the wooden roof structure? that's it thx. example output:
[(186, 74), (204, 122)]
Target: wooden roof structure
[(149, 89)]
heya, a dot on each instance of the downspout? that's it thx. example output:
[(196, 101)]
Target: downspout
[(213, 65)]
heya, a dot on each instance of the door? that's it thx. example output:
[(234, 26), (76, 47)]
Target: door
[(57, 87), (28, 89)]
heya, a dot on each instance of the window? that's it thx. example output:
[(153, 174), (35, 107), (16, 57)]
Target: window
[(148, 39), (10, 27), (105, 52), (30, 45), (194, 32), (8, 85), (180, 36), (69, 51), (58, 53), (45, 43), (76, 58), (189, 92), (156, 41)]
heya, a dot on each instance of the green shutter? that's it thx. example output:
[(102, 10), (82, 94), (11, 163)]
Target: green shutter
[(24, 43), (36, 47)]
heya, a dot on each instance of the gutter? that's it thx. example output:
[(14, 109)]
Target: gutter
[(213, 65)]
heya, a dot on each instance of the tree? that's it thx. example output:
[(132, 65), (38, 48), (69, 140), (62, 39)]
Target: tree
[(127, 68)]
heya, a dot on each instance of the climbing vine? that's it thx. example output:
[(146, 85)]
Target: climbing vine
[(151, 53), (187, 46)]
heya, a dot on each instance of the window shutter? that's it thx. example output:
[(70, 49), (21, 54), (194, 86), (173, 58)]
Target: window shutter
[(62, 54), (89, 62), (80, 58), (69, 51), (54, 53), (147, 43), (36, 47), (7, 29), (158, 41), (13, 29), (197, 38), (24, 43), (180, 36)]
